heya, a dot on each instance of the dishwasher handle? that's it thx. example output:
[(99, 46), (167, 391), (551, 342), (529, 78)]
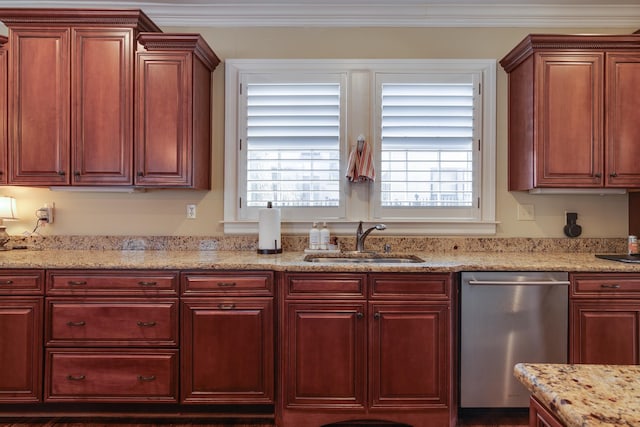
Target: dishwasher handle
[(515, 282)]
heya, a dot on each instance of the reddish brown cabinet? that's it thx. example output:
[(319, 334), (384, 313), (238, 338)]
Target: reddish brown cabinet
[(173, 110), (21, 314), (227, 339), (375, 346), (605, 318), (70, 100), (572, 110), (3, 110), (103, 348)]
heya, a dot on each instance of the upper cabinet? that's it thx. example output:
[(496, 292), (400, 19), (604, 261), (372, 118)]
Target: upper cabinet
[(72, 105), (573, 108), (3, 110), (173, 110)]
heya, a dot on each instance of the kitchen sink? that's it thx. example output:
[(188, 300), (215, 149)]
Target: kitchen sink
[(364, 258)]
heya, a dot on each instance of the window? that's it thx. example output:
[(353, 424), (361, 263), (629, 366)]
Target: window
[(291, 125)]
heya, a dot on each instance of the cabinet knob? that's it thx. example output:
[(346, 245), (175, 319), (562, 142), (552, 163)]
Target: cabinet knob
[(80, 323), (377, 315), (76, 173), (6, 282), (62, 173), (359, 315), (613, 174), (146, 324), (143, 283), (598, 175), (140, 173)]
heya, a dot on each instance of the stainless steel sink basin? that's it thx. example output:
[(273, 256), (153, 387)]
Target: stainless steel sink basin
[(364, 258)]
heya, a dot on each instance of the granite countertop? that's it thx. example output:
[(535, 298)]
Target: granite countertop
[(293, 261), (585, 395)]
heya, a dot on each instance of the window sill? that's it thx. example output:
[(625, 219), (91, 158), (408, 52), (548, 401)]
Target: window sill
[(394, 227)]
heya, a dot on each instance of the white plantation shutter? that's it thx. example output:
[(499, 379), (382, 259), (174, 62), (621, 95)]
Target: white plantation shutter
[(427, 144), (293, 144)]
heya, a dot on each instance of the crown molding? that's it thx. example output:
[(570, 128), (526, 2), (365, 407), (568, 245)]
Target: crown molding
[(372, 13)]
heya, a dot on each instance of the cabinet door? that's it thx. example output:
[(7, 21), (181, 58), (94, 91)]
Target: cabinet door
[(20, 349), (3, 110), (325, 355), (569, 143), (163, 114), (622, 125), (227, 350), (38, 107), (605, 332), (102, 94), (409, 354)]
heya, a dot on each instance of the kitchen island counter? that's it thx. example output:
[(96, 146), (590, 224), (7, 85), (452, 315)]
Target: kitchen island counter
[(585, 395), (293, 261)]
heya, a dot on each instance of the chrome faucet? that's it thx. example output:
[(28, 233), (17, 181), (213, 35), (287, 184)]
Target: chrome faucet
[(362, 235)]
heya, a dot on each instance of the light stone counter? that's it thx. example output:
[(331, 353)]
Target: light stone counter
[(293, 261), (586, 395)]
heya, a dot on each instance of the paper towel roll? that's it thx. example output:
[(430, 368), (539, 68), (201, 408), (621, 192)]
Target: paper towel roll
[(269, 230)]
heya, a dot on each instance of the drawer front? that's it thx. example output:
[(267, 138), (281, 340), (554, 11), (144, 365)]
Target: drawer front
[(410, 286), (605, 285), (103, 376), (103, 322), (21, 282), (88, 282), (338, 285), (258, 283)]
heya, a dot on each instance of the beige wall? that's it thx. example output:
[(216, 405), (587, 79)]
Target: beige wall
[(162, 212)]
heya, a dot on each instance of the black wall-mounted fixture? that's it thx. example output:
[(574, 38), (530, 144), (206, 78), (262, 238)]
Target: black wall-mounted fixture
[(572, 229)]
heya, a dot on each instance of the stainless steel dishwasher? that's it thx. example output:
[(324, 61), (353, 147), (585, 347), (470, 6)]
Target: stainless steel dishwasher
[(506, 318)]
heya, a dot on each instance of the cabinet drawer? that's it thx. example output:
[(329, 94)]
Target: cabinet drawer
[(88, 282), (413, 286), (310, 285), (258, 283), (605, 285), (108, 375), (21, 282), (102, 322)]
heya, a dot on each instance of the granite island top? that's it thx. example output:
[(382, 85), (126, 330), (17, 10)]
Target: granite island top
[(293, 261), (585, 395)]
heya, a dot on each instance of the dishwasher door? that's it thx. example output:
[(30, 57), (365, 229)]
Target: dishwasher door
[(507, 318)]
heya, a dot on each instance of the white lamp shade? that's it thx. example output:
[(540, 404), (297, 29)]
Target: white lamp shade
[(8, 208)]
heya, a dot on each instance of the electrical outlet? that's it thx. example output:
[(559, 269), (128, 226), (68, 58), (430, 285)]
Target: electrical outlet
[(526, 213), (45, 213), (191, 211)]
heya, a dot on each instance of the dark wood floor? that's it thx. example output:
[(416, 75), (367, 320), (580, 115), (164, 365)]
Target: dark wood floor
[(512, 418)]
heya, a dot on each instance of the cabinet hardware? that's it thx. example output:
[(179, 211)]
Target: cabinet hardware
[(145, 324), (226, 284), (613, 174), (61, 173), (140, 174), (80, 323), (143, 283), (598, 175), (377, 315), (226, 306), (6, 282), (606, 286), (77, 282), (359, 315), (145, 378), (76, 173), (76, 377)]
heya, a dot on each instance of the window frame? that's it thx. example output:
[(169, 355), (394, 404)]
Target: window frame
[(360, 199)]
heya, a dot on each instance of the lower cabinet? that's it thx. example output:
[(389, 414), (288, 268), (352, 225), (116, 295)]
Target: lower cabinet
[(227, 338), (539, 416), (605, 318), (111, 336), (375, 346), (21, 315)]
